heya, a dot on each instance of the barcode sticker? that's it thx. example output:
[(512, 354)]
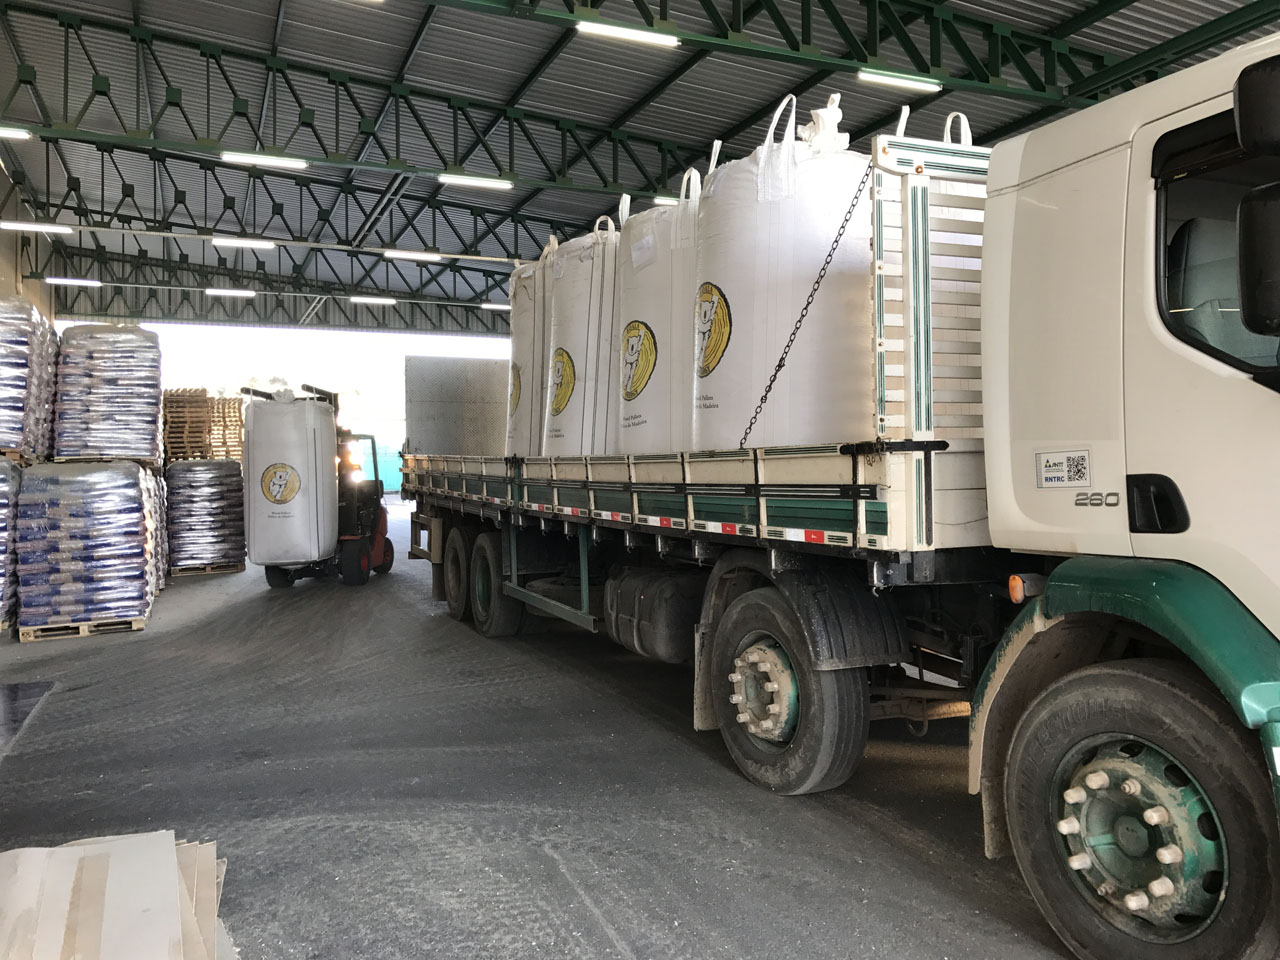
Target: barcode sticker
[(1063, 468)]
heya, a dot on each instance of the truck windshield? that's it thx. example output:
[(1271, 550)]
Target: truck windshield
[(1201, 188)]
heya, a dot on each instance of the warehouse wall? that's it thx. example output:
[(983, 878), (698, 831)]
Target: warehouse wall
[(456, 405), (13, 264)]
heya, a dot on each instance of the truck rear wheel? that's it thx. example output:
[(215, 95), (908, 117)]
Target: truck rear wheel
[(1142, 818), (457, 571), (789, 726), (495, 614), (354, 562)]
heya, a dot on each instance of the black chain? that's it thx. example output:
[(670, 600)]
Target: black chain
[(804, 311)]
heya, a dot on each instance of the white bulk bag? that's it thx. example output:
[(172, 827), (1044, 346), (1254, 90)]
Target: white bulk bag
[(290, 482), (657, 280), (765, 224), (526, 384), (582, 405)]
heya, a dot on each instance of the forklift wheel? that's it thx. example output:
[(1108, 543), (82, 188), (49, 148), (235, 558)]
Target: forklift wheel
[(388, 558), (279, 577), (355, 562)]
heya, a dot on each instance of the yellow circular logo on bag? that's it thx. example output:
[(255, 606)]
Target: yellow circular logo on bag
[(639, 357), (280, 483), (713, 325), (515, 389), (562, 380)]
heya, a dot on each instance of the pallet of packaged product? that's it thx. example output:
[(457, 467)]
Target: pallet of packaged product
[(79, 628)]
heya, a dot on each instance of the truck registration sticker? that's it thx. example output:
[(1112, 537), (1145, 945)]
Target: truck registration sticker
[(1063, 468)]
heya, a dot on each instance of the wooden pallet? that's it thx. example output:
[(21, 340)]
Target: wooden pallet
[(85, 628), (212, 568), (149, 462), (21, 459)]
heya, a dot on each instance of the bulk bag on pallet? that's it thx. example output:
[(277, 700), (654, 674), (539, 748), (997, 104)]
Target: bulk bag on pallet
[(87, 543), (581, 392), (205, 513), (108, 393), (657, 280), (28, 371), (765, 226), (291, 481), (526, 385)]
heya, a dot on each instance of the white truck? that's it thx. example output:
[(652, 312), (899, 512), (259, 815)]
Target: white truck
[(1058, 523)]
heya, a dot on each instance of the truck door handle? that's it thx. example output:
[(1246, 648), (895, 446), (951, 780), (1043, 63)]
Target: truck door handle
[(1156, 505)]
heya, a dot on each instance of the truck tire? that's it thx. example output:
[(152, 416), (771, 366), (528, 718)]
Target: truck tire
[(388, 558), (354, 562), (493, 612), (278, 577), (1094, 755), (457, 572), (816, 735)]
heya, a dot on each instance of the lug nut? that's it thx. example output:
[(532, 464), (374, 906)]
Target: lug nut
[(766, 724), (1161, 887), (737, 662), (753, 728), (1136, 901), (736, 698), (1106, 889), (1080, 861), (774, 708), (1156, 816), (735, 677), (744, 718), (1097, 780), (753, 657), (1069, 826), (771, 687), (1075, 795), (1170, 854), (1131, 787), (763, 667)]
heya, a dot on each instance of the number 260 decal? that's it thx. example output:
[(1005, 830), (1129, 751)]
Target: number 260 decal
[(1098, 499)]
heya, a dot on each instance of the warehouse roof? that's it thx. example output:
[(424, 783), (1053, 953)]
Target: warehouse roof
[(133, 103)]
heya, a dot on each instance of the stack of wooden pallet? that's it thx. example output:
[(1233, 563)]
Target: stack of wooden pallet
[(188, 424), (227, 438)]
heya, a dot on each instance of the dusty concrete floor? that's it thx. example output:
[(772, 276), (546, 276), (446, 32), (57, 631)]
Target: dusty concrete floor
[(386, 784)]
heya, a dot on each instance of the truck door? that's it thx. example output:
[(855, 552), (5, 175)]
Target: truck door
[(1202, 432)]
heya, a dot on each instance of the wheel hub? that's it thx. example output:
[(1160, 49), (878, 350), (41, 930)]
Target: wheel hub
[(1141, 839), (764, 691)]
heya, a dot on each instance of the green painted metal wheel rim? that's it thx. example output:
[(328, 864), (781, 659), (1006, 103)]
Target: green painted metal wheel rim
[(764, 692), (1139, 838)]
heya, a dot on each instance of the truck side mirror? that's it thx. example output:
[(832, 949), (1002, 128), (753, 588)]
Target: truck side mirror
[(1258, 224), (1257, 119)]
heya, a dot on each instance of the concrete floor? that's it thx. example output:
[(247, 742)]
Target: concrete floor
[(386, 783)]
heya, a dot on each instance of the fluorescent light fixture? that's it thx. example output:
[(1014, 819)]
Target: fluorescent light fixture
[(896, 80), (245, 243), (467, 180), (14, 133), (612, 32), (374, 301), (421, 256), (35, 227), (229, 292), (502, 307), (71, 282), (263, 160), (665, 201)]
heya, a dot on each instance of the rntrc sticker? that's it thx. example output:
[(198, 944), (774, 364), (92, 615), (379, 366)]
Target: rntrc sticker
[(1063, 468), (280, 483)]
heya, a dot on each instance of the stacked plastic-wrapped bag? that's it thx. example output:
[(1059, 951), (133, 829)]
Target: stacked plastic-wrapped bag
[(108, 393), (206, 513), (28, 372), (87, 543), (10, 478)]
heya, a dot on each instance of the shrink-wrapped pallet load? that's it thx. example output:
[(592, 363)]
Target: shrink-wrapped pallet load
[(28, 371), (526, 385), (765, 226), (582, 372), (10, 478), (206, 514), (88, 547), (108, 394), (656, 287)]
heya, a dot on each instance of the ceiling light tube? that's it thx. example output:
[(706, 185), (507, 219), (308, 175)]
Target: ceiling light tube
[(71, 282), (374, 301), (263, 160), (244, 243), (14, 133), (503, 307), (420, 256), (35, 227), (611, 32), (897, 80), (229, 292), (467, 180), (661, 201)]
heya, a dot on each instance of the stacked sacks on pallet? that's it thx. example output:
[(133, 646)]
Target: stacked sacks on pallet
[(108, 394), (206, 513), (28, 371), (87, 543), (10, 478)]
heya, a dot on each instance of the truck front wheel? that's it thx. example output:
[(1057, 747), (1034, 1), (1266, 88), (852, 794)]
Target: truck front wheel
[(790, 727), (1142, 818), (457, 571)]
